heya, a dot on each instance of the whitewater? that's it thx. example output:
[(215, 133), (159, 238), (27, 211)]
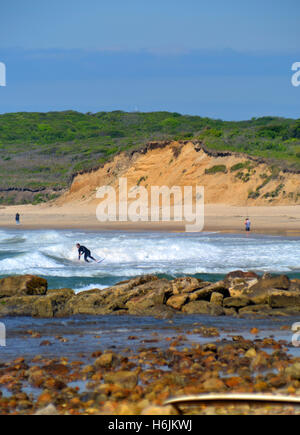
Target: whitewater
[(52, 254)]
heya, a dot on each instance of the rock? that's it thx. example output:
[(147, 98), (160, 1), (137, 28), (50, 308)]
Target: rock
[(53, 304), (214, 385), (206, 292), (203, 307), (106, 360), (240, 274), (177, 302), (256, 309), (26, 285), (18, 306), (125, 379), (230, 312), (185, 285), (284, 299), (148, 297), (251, 353), (159, 410), (237, 302), (295, 285), (293, 371), (217, 299)]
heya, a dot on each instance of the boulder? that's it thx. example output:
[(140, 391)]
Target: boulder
[(178, 301), (217, 299), (207, 291), (26, 285), (255, 309), (106, 360), (268, 286), (185, 285), (18, 306), (203, 307), (237, 302), (293, 371), (284, 299), (53, 304), (124, 379)]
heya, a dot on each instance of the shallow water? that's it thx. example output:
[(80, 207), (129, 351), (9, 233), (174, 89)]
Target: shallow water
[(87, 334), (53, 255)]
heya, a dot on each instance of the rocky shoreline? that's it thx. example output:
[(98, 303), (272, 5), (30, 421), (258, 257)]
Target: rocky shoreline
[(240, 294), (139, 382)]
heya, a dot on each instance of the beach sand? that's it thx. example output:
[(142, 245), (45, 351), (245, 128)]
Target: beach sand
[(283, 220)]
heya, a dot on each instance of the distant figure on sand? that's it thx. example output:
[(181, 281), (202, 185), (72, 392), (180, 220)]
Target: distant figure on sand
[(18, 219), (247, 225), (82, 250)]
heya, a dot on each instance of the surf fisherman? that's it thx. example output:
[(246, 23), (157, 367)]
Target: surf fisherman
[(82, 250), (247, 225)]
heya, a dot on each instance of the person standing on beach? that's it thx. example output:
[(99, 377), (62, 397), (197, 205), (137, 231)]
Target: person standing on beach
[(247, 225), (82, 250), (18, 218)]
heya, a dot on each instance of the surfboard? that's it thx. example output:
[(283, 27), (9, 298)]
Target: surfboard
[(100, 261)]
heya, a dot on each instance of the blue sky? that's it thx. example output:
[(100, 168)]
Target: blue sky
[(225, 59)]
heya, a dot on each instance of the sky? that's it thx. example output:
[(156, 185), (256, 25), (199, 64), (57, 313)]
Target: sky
[(229, 60)]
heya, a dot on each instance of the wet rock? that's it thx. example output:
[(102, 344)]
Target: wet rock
[(203, 307), (255, 309), (213, 385), (230, 312), (284, 299), (293, 371), (217, 299), (177, 302), (237, 302), (53, 304), (18, 306), (26, 285), (267, 286), (125, 379), (106, 360)]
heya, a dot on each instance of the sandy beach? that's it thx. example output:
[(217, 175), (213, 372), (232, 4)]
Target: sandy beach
[(283, 220)]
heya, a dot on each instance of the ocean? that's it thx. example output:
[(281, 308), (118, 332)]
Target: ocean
[(52, 254)]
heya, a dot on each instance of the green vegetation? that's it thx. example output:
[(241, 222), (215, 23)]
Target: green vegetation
[(216, 169), (44, 150)]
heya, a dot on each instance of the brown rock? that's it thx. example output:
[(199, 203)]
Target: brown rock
[(106, 360), (206, 292), (217, 299), (125, 379), (214, 385), (177, 302), (203, 307), (26, 285), (238, 302), (185, 285), (256, 309)]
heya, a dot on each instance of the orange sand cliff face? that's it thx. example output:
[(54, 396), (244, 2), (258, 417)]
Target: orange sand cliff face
[(185, 164)]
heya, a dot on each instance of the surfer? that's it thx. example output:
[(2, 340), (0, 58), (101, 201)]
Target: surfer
[(82, 250), (18, 218)]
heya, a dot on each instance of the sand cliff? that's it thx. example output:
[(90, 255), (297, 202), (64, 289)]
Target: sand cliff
[(229, 178)]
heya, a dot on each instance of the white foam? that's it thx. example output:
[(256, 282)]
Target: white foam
[(53, 253)]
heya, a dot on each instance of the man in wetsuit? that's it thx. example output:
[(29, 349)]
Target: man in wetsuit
[(82, 250)]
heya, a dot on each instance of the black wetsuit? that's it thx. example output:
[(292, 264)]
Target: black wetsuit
[(86, 252)]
